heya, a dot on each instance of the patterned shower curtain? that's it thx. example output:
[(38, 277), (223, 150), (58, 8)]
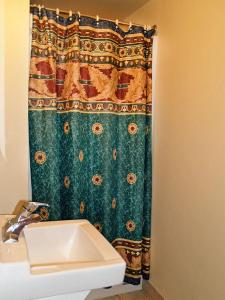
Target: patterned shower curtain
[(90, 128)]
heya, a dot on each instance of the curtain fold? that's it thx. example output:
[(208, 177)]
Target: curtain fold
[(90, 128)]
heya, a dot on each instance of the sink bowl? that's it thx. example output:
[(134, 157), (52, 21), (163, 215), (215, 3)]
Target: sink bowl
[(58, 260), (55, 246)]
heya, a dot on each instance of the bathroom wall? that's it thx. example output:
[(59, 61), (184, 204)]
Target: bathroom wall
[(103, 8), (14, 60), (188, 259)]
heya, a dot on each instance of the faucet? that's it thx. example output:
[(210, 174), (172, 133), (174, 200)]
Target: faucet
[(29, 212)]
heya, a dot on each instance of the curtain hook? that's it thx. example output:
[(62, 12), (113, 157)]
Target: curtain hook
[(97, 19), (57, 13), (39, 10), (70, 14), (130, 25), (117, 23)]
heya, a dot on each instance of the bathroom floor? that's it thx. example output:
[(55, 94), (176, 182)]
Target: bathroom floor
[(139, 295)]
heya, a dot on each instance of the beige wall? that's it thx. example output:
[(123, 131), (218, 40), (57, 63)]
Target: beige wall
[(104, 8), (14, 137), (188, 261)]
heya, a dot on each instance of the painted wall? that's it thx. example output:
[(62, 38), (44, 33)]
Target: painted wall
[(188, 259), (103, 8), (13, 98)]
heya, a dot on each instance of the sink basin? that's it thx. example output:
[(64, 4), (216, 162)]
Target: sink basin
[(58, 260)]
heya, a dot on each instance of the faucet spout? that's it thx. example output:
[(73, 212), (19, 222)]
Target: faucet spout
[(30, 212)]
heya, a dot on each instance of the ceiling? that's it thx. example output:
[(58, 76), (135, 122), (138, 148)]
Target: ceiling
[(112, 9)]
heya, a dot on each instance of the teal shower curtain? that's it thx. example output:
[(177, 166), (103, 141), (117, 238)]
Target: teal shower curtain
[(90, 128)]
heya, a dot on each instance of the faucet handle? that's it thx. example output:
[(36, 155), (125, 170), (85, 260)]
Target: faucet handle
[(28, 208), (27, 212)]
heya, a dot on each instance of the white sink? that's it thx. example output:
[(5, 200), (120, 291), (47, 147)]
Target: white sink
[(58, 260)]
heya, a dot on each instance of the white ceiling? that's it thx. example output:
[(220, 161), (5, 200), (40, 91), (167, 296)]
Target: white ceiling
[(113, 9)]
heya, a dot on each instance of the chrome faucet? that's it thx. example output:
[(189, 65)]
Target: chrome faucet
[(29, 212)]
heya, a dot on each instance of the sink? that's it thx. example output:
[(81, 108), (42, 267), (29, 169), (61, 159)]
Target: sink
[(58, 260)]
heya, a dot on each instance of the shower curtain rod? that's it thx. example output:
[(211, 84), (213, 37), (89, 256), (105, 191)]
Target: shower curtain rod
[(65, 12)]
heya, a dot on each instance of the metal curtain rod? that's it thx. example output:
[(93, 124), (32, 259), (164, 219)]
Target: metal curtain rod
[(130, 24)]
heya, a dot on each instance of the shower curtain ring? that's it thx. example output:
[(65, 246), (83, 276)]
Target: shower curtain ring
[(117, 23), (97, 19), (39, 10), (78, 16), (130, 25), (57, 13)]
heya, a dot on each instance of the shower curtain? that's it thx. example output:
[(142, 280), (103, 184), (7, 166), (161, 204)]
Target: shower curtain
[(90, 128)]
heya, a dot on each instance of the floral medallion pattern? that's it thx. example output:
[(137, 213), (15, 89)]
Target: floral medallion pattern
[(130, 225), (66, 127), (82, 207), (66, 182), (114, 203), (40, 157), (97, 179), (114, 155), (97, 128), (81, 155), (132, 128), (90, 105), (98, 226), (131, 178)]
